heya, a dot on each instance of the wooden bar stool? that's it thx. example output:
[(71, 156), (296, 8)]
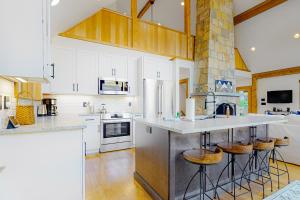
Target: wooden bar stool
[(203, 158), (234, 149), (262, 147), (280, 142)]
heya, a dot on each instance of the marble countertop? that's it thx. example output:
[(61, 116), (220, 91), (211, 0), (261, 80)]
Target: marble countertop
[(48, 124), (186, 127)]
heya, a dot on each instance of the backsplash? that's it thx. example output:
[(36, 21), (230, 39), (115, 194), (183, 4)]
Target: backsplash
[(73, 104)]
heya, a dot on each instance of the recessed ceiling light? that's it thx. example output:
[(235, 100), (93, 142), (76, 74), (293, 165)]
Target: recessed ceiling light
[(21, 80), (54, 2), (253, 48), (159, 24), (182, 3), (297, 36)]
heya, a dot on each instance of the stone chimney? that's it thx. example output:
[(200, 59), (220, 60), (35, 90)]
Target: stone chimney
[(214, 48)]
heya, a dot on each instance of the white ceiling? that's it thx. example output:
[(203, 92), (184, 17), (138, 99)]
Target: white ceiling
[(69, 12), (243, 5), (270, 32)]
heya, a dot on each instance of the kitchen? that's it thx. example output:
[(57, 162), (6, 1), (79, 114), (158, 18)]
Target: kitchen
[(95, 86)]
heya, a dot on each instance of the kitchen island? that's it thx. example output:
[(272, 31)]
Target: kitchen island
[(160, 168), (43, 161)]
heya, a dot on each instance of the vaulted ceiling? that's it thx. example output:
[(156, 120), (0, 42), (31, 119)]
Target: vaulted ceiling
[(271, 32)]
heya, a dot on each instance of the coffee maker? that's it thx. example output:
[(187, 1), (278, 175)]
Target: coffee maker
[(50, 106)]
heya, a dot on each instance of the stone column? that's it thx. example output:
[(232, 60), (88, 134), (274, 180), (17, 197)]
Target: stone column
[(214, 47)]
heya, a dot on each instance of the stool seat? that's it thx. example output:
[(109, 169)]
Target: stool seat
[(279, 142), (236, 148), (264, 144), (203, 156)]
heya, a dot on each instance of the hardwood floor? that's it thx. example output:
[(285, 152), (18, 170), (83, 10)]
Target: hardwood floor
[(109, 176)]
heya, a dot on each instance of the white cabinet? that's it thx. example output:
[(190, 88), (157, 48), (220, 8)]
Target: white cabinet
[(75, 71), (63, 80), (92, 134), (113, 67), (157, 69), (165, 70), (24, 37), (87, 72), (132, 76), (42, 166)]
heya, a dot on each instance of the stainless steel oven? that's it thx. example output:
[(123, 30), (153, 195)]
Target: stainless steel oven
[(116, 132), (112, 87)]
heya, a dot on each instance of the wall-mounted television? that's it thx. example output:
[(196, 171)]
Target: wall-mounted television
[(280, 96)]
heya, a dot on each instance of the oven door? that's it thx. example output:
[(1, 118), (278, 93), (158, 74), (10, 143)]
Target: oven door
[(116, 131)]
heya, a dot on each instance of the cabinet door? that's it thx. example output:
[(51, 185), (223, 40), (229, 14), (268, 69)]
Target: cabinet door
[(92, 138), (165, 70), (22, 37), (64, 65), (87, 72), (120, 65), (132, 76), (150, 67), (106, 70)]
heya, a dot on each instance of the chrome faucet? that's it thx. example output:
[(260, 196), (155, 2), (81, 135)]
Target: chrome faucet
[(211, 93)]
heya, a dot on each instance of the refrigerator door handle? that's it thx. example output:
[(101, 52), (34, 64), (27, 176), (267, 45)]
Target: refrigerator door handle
[(158, 100), (162, 98)]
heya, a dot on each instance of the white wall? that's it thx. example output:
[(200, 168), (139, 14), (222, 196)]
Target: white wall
[(290, 82), (7, 89)]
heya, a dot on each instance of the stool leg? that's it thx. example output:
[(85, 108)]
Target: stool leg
[(190, 184), (217, 185), (286, 168), (277, 168), (209, 179)]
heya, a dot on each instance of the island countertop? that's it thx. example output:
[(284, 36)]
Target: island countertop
[(197, 126), (48, 124)]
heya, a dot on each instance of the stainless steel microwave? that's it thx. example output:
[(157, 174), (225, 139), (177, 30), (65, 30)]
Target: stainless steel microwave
[(112, 87)]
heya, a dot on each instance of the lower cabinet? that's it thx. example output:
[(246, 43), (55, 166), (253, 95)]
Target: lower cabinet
[(91, 134), (46, 165)]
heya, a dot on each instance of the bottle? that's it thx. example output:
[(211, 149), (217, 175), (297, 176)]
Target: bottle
[(227, 112)]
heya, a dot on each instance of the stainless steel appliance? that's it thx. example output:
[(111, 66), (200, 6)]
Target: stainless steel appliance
[(51, 106), (42, 110), (116, 131), (112, 87), (157, 98)]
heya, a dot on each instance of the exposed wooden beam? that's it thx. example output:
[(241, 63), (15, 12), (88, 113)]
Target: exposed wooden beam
[(187, 17), (256, 10), (133, 8), (134, 22), (145, 8)]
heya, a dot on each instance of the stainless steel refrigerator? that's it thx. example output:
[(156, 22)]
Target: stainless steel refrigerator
[(157, 98)]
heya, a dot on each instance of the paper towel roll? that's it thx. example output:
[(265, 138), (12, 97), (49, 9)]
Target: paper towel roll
[(190, 109)]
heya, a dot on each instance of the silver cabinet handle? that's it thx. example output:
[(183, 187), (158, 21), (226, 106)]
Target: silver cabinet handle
[(73, 87), (77, 87), (89, 119), (53, 70), (112, 71)]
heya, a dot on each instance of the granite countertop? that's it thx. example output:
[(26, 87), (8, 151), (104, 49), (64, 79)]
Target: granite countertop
[(48, 124), (186, 127)]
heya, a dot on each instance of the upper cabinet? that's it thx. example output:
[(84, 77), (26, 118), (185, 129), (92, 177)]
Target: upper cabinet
[(75, 71), (157, 69), (87, 72), (24, 37), (113, 67), (63, 79)]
